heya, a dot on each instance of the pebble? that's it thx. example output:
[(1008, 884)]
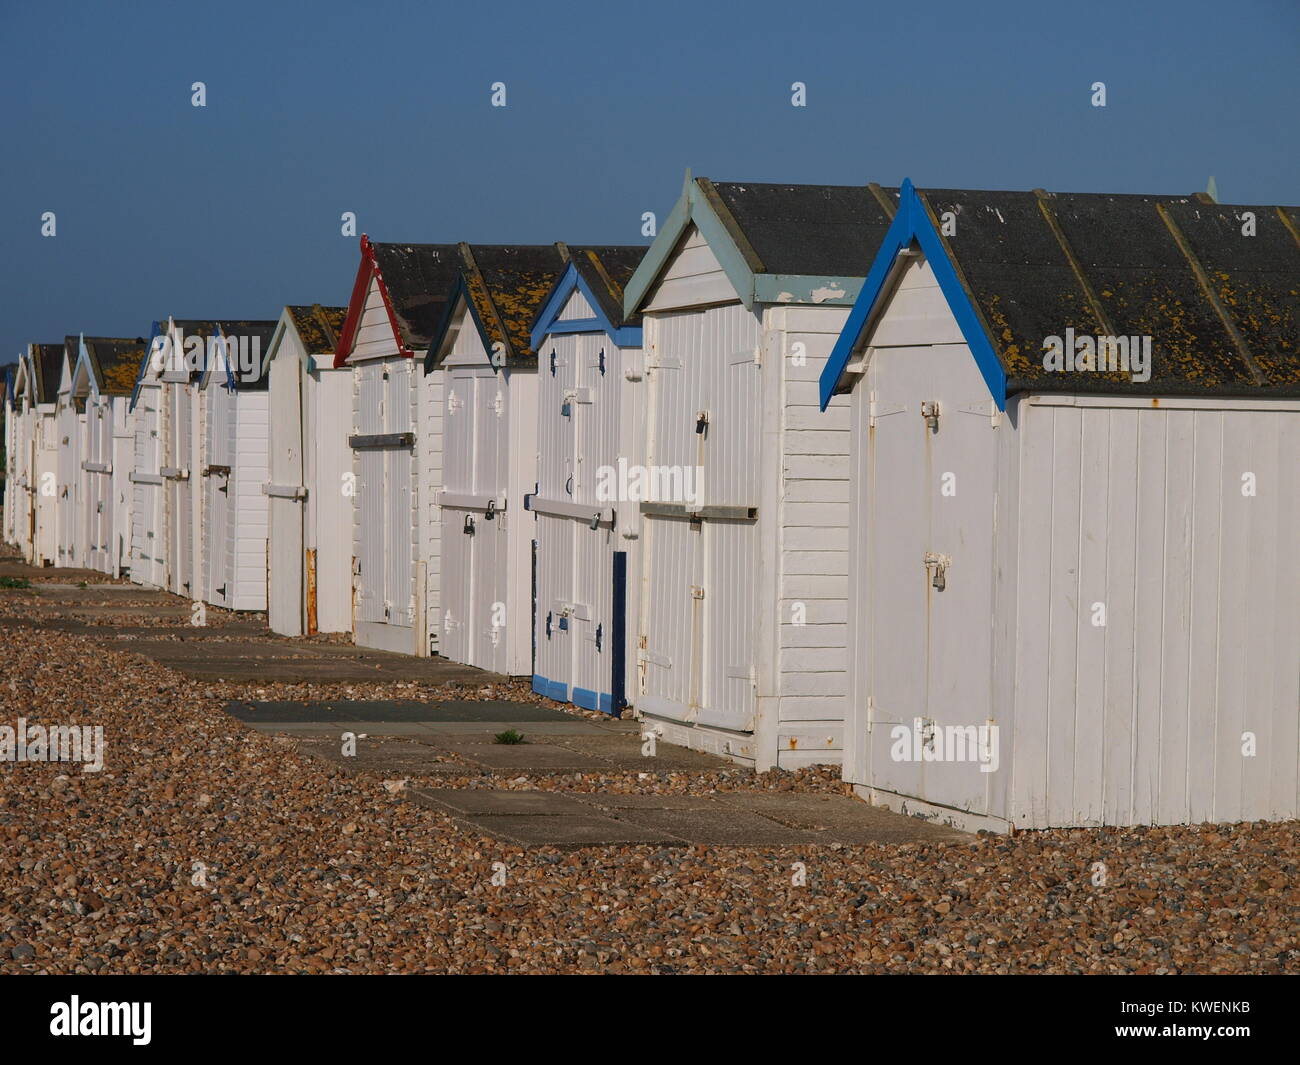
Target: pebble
[(204, 846)]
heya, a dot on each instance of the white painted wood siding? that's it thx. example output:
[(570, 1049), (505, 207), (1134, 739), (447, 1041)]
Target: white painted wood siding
[(246, 540), (1064, 507), (692, 278), (810, 628)]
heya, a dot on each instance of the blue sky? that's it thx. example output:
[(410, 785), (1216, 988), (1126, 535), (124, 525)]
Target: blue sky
[(383, 109)]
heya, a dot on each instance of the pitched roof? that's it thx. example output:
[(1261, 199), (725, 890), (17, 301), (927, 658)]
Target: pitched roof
[(505, 286), (415, 281), (776, 243), (600, 275), (318, 327), (807, 229), (1222, 309), (258, 332), (606, 271), (114, 362), (418, 278), (47, 368)]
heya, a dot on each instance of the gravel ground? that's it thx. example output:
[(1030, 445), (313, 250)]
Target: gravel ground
[(309, 869)]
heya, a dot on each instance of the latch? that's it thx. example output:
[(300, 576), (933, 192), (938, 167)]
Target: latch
[(600, 360), (499, 403), (600, 636), (701, 421), (697, 592), (930, 412), (552, 362), (453, 402), (938, 566), (548, 624)]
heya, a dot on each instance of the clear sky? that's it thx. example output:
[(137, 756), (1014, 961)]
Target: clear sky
[(384, 109)]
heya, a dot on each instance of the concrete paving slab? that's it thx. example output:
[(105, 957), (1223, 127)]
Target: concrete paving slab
[(718, 825), (838, 818), (645, 801), (414, 730), (450, 711), (624, 752), (540, 757), (473, 802), (566, 830), (389, 757)]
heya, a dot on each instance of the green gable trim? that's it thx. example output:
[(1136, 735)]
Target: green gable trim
[(693, 207), (700, 205)]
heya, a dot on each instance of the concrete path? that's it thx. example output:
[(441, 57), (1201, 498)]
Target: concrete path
[(454, 739), (457, 739), (231, 647)]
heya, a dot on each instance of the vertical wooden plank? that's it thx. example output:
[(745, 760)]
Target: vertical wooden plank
[(1118, 718), (1063, 614), (1203, 632), (1175, 629), (1093, 538)]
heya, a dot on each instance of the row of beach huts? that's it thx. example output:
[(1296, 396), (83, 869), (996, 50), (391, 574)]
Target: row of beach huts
[(992, 497)]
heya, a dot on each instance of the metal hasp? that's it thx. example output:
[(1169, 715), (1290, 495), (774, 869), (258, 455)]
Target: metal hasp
[(930, 412), (937, 565)]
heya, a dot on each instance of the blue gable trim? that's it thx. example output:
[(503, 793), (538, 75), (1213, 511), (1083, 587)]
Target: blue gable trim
[(154, 332), (912, 224), (627, 336)]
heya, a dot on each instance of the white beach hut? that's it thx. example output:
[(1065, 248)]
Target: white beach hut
[(231, 465), (589, 429), (148, 411), (489, 446), (741, 631), (69, 425), (37, 394), (102, 383), (397, 298), (12, 463), (1075, 429), (308, 487)]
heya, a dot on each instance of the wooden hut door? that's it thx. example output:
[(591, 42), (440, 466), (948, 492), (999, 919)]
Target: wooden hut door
[(556, 533), (487, 616), (372, 515), (285, 512), (215, 481), (930, 542), (593, 416), (399, 579), (457, 524)]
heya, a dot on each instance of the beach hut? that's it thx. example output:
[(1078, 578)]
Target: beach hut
[(397, 298), (1074, 598), (13, 464), (184, 356), (483, 347), (589, 427), (741, 639), (309, 499), (102, 382), (148, 411), (40, 395), (69, 426), (231, 465)]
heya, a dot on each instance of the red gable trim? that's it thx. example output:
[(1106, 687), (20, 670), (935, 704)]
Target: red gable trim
[(356, 306)]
